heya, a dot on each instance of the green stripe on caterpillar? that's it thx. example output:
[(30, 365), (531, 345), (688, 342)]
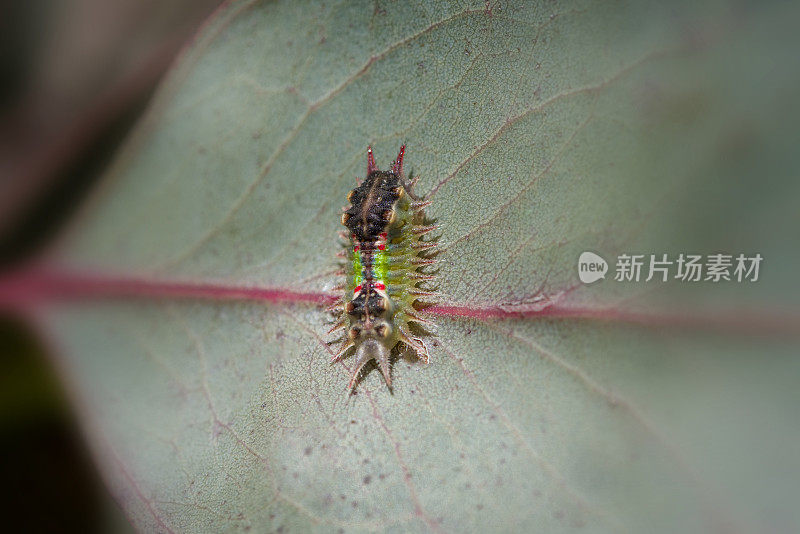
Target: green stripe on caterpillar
[(385, 268)]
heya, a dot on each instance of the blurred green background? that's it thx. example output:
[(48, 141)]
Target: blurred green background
[(75, 75)]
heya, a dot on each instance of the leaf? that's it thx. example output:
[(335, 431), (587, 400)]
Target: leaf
[(539, 131)]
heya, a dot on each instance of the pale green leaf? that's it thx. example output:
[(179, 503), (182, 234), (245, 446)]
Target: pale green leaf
[(541, 130)]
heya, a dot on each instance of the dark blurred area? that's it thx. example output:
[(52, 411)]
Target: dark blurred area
[(75, 75), (49, 482)]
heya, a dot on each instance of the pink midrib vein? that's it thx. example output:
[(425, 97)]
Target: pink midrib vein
[(32, 288)]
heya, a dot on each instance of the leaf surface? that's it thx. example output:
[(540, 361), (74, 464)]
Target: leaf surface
[(539, 131)]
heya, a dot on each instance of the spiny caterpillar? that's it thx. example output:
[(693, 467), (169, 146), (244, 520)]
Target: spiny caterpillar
[(386, 261)]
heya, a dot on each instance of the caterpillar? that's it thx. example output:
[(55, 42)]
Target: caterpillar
[(385, 264)]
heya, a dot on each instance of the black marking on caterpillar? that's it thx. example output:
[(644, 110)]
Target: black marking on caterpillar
[(387, 257)]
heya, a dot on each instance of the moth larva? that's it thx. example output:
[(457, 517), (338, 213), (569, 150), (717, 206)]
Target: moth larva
[(386, 265)]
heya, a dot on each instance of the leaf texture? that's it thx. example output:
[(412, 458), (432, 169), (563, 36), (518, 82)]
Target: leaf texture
[(539, 130)]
